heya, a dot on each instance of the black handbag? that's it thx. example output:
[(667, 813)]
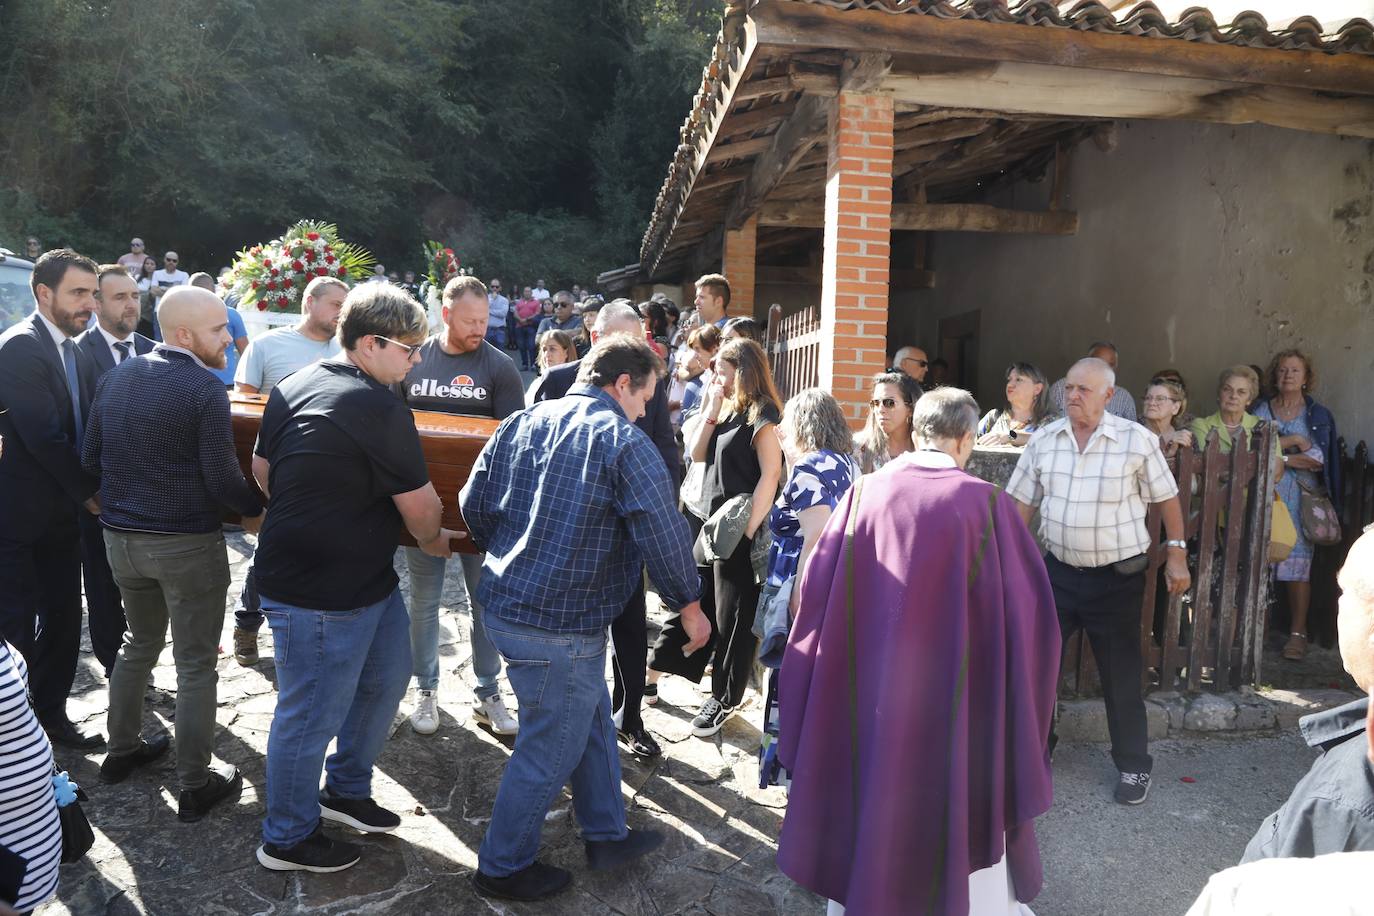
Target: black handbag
[(77, 835)]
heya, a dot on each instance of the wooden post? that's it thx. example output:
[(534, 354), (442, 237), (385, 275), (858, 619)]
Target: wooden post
[(857, 247)]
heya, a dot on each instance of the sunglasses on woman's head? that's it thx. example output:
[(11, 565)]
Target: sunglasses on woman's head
[(889, 403)]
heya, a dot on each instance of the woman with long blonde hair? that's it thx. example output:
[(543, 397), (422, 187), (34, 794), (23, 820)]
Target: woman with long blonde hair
[(738, 443)]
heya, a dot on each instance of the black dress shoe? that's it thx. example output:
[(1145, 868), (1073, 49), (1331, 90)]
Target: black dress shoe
[(607, 854), (534, 882), (193, 804), (65, 733), (117, 768), (640, 742)]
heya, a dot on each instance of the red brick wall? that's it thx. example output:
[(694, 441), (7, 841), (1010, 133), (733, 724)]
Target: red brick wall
[(739, 259), (857, 248)]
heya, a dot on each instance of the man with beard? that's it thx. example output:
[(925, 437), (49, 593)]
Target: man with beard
[(42, 485), (270, 358), (159, 437), (112, 341)]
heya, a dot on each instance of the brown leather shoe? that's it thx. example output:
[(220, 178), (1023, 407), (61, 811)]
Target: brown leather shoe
[(1296, 648)]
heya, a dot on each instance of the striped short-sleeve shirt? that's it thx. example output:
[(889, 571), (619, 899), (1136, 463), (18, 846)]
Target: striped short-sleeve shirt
[(28, 809), (1093, 503)]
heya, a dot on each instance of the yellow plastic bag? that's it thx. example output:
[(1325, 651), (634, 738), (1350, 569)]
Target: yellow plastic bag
[(1283, 535)]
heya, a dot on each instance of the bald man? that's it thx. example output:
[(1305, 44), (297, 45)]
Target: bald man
[(1332, 807), (160, 439)]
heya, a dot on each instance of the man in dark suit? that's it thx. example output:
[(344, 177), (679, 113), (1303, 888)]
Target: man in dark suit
[(110, 342), (629, 633), (42, 487)]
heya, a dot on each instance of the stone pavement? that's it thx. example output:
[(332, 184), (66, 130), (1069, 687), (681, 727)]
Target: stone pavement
[(1100, 858), (719, 858)]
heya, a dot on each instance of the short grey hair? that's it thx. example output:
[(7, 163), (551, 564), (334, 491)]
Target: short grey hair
[(944, 413), (383, 310), (615, 312), (814, 421), (1097, 365)]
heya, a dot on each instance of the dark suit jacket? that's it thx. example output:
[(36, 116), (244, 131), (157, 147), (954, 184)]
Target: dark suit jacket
[(92, 342), (655, 423), (41, 478)]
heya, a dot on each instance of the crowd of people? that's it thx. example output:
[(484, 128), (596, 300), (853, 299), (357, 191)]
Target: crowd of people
[(653, 448)]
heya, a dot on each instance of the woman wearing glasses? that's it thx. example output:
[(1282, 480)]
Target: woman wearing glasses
[(1028, 408), (1165, 403), (888, 431)]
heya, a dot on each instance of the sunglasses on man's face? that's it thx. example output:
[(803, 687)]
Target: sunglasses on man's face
[(920, 362), (889, 403), (170, 260)]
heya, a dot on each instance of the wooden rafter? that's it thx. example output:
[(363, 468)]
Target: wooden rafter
[(935, 218)]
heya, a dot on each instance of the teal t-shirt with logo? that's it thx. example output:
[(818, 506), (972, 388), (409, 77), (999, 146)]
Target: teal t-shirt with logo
[(480, 383)]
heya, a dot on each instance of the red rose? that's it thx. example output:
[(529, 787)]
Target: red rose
[(287, 284), (275, 272), (320, 271), (255, 284), (313, 236), (266, 262), (297, 266), (327, 249), (271, 284), (310, 254), (262, 305), (283, 302), (329, 259)]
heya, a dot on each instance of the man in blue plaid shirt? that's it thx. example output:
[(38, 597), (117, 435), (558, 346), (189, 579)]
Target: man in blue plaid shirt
[(570, 500)]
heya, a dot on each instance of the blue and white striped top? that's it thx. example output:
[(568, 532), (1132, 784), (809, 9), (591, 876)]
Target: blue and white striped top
[(28, 809)]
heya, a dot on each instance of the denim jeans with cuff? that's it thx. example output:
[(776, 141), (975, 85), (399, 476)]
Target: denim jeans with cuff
[(427, 576)]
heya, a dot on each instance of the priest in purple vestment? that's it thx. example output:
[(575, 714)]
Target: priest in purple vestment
[(917, 689)]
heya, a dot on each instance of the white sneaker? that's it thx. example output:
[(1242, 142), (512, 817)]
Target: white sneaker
[(425, 718), (493, 713)]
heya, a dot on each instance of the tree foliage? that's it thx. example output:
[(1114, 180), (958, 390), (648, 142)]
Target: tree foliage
[(532, 132)]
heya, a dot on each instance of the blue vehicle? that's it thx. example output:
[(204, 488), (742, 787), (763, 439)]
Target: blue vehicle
[(16, 296)]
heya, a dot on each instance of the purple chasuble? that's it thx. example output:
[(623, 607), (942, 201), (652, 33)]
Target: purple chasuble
[(956, 648)]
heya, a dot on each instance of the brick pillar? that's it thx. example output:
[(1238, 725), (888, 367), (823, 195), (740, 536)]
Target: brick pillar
[(857, 249), (738, 258)]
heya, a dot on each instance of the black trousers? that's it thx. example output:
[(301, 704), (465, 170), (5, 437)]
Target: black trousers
[(729, 598), (630, 636), (40, 609), (104, 606), (1106, 607)]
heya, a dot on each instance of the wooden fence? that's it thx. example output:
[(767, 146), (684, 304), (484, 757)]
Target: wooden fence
[(1213, 636), (794, 348)]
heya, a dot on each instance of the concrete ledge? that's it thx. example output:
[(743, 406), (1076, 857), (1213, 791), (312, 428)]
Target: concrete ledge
[(1172, 714)]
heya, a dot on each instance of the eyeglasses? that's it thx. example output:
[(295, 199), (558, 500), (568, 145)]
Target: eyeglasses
[(409, 349), (889, 403), (920, 362)]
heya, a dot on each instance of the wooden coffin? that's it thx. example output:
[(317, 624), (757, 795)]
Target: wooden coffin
[(451, 445)]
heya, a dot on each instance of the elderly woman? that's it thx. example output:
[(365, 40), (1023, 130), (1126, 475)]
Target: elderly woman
[(1307, 437), (1163, 409), (888, 431), (1237, 388), (1028, 408), (815, 440), (917, 688)]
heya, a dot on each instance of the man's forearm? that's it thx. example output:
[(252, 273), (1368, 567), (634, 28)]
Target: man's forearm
[(1172, 514)]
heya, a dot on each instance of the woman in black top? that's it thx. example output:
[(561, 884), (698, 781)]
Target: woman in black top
[(739, 444)]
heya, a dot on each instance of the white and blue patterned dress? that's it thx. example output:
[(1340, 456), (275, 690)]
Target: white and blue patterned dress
[(29, 827), (1298, 566)]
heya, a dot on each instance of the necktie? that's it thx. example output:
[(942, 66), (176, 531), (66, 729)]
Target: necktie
[(123, 348), (73, 386)]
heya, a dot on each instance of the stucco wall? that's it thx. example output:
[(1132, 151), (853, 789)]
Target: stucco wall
[(1199, 246)]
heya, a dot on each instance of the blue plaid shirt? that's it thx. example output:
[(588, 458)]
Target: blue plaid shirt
[(568, 499)]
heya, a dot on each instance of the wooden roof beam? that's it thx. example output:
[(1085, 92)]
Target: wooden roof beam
[(802, 130), (935, 218)]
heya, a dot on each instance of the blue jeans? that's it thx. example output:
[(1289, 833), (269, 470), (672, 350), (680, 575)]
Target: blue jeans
[(565, 735), (427, 576), (525, 337), (338, 673), (497, 337)]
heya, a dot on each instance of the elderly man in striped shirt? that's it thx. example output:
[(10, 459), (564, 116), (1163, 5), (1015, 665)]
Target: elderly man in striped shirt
[(570, 500), (1093, 475)]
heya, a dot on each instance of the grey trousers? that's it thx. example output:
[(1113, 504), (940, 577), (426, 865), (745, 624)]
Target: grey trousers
[(181, 579)]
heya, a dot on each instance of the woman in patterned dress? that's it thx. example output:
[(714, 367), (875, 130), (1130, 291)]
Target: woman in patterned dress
[(1307, 436)]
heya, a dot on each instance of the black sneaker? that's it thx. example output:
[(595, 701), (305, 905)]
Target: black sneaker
[(1132, 788), (193, 804), (712, 716), (534, 882), (607, 854), (317, 852), (640, 742), (117, 769), (362, 814)]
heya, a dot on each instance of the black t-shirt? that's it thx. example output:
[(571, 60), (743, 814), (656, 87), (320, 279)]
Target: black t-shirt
[(340, 446), (732, 465)]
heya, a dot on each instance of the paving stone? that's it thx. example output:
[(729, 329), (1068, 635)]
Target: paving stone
[(1290, 705), (1210, 712), (1254, 713), (382, 868)]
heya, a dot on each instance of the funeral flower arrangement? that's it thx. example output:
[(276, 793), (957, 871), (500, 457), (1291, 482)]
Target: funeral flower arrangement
[(272, 276), (441, 263)]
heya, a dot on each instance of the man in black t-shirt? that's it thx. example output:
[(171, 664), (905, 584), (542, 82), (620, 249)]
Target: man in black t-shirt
[(340, 459), (459, 372)]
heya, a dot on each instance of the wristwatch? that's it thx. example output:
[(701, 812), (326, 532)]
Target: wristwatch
[(1181, 545)]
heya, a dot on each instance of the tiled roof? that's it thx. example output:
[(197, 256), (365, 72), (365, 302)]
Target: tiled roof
[(1196, 24)]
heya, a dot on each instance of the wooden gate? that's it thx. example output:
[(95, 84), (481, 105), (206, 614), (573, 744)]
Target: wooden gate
[(1212, 637), (794, 348)]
